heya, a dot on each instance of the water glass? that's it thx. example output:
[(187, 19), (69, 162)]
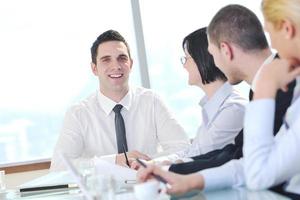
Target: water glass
[(102, 186)]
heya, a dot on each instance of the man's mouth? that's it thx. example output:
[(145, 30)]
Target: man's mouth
[(115, 75)]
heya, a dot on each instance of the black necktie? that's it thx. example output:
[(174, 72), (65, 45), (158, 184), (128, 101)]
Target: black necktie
[(120, 129), (250, 95)]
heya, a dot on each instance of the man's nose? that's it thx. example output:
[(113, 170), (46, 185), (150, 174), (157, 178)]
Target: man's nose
[(116, 65)]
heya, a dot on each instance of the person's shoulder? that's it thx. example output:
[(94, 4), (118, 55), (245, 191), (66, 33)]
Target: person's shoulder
[(143, 92), (235, 100), (84, 105), (145, 95)]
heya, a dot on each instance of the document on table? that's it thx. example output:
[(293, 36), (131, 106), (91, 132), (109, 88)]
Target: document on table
[(52, 178), (118, 172)]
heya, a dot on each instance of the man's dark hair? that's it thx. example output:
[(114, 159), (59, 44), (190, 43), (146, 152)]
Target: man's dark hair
[(110, 35), (196, 45), (239, 25)]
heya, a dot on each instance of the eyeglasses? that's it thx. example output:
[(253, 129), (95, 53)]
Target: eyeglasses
[(183, 59)]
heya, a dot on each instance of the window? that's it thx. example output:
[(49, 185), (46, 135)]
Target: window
[(45, 67)]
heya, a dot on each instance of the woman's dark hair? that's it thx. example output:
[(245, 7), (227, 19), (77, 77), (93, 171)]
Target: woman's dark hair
[(196, 45)]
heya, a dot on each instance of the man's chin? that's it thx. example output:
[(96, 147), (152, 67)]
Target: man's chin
[(120, 88)]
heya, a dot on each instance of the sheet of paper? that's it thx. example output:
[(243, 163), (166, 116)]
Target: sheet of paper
[(118, 172), (52, 178)]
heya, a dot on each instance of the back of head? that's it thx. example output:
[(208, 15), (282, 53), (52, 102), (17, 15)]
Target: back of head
[(238, 25), (110, 35), (276, 10), (196, 45)]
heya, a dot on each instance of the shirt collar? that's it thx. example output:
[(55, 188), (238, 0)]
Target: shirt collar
[(211, 106), (107, 104), (267, 61)]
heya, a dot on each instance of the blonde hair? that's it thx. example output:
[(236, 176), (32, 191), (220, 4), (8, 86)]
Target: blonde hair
[(275, 11)]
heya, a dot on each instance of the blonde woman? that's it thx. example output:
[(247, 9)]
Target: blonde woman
[(270, 160)]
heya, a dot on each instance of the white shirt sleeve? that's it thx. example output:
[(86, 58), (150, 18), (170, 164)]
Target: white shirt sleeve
[(269, 160), (71, 144), (231, 174), (70, 141), (170, 134)]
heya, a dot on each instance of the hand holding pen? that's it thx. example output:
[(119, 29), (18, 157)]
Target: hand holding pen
[(176, 183), (131, 156), (156, 176)]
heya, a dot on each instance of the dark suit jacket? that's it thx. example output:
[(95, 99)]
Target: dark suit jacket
[(234, 151)]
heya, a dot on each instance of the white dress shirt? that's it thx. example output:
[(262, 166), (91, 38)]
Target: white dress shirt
[(88, 131), (269, 160), (222, 120), (231, 174), (272, 160)]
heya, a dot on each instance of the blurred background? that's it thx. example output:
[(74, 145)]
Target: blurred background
[(45, 61)]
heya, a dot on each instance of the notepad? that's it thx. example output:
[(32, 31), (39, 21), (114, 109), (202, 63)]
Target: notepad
[(52, 178), (118, 172)]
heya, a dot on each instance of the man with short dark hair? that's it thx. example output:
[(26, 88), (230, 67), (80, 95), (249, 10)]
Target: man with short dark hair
[(117, 117)]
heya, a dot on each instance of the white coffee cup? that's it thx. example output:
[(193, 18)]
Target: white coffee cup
[(2, 185), (2, 180), (147, 191)]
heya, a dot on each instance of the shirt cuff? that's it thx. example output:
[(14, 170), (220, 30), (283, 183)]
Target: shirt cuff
[(166, 167), (109, 158), (186, 159)]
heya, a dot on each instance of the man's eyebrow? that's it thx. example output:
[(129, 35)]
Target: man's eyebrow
[(123, 55), (104, 57)]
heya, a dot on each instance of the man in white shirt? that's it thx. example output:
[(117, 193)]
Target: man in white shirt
[(93, 129), (239, 48)]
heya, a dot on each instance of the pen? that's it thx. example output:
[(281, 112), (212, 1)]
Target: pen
[(130, 181), (124, 150), (157, 177), (49, 187)]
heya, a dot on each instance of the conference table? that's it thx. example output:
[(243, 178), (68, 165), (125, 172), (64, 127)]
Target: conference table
[(227, 194), (106, 189)]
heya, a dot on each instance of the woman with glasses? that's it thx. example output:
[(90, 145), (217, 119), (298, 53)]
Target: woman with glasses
[(222, 106)]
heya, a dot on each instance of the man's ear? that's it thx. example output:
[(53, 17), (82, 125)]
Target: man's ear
[(288, 29), (131, 63), (94, 69), (226, 50)]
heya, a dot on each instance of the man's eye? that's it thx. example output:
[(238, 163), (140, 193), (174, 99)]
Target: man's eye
[(105, 60), (123, 58)]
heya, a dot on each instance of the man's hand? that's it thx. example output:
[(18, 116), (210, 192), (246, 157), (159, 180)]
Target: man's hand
[(180, 184), (132, 155), (135, 165), (276, 75)]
